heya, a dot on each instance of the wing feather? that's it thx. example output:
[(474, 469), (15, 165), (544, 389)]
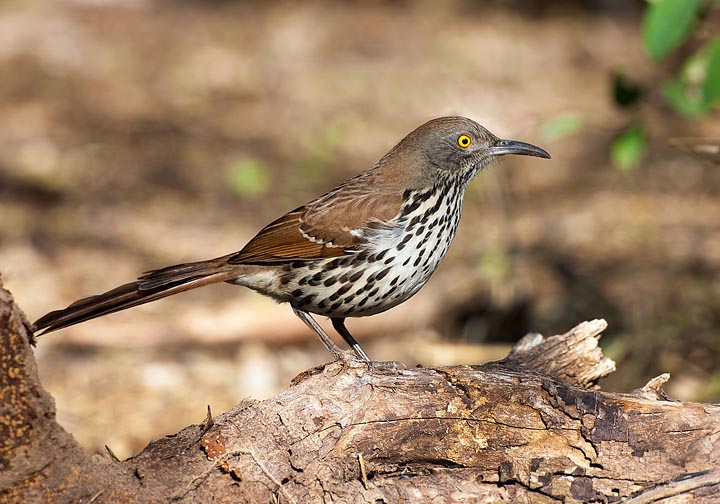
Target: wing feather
[(327, 227)]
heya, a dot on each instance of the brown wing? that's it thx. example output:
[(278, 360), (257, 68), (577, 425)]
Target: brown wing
[(323, 228), (282, 241)]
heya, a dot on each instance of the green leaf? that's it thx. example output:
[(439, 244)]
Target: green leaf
[(667, 23), (697, 88), (711, 86), (248, 176), (561, 126), (629, 148), (678, 97)]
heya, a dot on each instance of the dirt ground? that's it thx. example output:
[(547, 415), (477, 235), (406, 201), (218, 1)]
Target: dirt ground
[(138, 134)]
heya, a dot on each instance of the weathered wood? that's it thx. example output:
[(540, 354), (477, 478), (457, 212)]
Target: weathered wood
[(533, 427), (39, 461)]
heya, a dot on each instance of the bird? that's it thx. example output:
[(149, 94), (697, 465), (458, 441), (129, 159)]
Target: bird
[(358, 250)]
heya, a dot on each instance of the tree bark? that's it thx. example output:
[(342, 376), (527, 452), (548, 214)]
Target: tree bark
[(533, 427)]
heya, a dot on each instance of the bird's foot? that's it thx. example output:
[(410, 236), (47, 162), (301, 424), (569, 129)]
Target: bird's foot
[(387, 366), (351, 359)]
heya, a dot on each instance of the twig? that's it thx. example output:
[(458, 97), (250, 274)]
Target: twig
[(363, 473), (679, 486), (225, 457), (111, 454)]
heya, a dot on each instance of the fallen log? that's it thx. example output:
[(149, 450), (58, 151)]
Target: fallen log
[(533, 427)]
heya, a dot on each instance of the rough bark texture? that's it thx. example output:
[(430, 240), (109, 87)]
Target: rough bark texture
[(533, 427)]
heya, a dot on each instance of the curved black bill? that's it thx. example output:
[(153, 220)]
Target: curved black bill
[(503, 147)]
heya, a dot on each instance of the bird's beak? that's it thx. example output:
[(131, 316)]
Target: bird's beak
[(503, 147)]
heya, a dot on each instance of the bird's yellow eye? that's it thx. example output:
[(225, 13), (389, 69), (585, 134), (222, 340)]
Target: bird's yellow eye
[(464, 141)]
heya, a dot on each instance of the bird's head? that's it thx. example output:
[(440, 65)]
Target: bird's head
[(455, 147)]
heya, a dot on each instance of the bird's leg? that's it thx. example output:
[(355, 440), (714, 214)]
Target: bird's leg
[(339, 325), (392, 366), (312, 324)]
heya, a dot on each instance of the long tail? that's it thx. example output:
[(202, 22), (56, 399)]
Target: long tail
[(152, 285)]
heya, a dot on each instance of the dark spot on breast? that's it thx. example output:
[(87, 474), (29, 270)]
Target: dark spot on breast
[(342, 290), (389, 260), (435, 207), (417, 261), (303, 280), (382, 254), (410, 208), (307, 300), (426, 195), (356, 276), (387, 294), (334, 297), (394, 280), (296, 293), (346, 261), (420, 231), (363, 301), (406, 193), (335, 306), (413, 221), (383, 273), (322, 304), (330, 281), (405, 240), (371, 258), (373, 292), (316, 279), (284, 280), (407, 261)]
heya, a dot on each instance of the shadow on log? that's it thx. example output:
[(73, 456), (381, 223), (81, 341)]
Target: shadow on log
[(533, 427)]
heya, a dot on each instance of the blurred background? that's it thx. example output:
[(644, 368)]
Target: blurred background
[(135, 134)]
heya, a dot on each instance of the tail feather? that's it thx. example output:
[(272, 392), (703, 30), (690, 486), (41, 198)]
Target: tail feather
[(150, 286), (171, 275)]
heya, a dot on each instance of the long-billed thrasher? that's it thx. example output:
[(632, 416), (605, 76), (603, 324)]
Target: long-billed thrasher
[(360, 249)]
